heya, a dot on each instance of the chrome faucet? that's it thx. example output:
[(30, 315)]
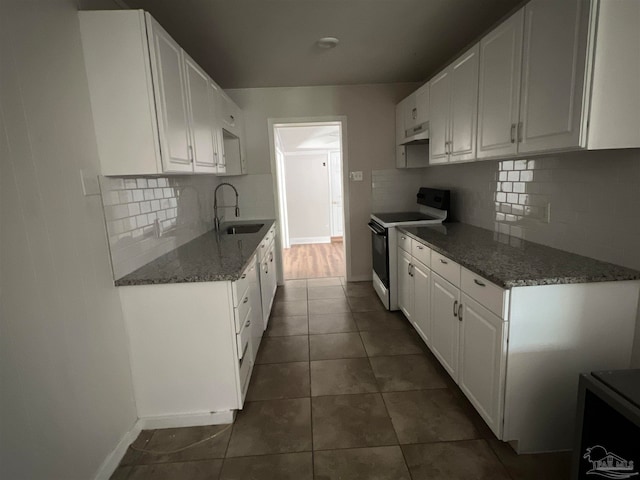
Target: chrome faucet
[(217, 220)]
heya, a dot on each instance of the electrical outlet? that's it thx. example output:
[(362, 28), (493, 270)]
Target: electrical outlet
[(356, 176)]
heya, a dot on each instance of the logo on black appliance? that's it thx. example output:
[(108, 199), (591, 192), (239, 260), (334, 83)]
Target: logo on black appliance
[(608, 464)]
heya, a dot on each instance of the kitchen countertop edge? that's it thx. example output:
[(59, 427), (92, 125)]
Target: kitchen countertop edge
[(156, 272)]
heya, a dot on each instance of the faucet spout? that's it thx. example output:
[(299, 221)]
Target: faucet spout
[(217, 220)]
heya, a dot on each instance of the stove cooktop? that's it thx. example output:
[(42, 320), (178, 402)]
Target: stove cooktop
[(399, 217)]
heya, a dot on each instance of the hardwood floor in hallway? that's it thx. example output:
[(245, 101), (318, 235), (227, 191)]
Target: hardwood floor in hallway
[(315, 260)]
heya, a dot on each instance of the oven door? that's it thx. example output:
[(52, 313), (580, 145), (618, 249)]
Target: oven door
[(380, 247)]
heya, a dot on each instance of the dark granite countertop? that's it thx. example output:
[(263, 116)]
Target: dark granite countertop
[(208, 258), (511, 262)]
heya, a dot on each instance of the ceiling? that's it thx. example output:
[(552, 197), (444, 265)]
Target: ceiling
[(318, 137), (268, 43)]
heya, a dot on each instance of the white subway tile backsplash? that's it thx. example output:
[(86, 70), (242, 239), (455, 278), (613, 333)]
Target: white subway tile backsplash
[(133, 205)]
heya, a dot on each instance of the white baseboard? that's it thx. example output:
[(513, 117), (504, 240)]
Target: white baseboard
[(148, 423), (308, 240), (360, 278)]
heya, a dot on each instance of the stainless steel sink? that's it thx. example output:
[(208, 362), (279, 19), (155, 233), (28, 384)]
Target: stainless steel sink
[(245, 228)]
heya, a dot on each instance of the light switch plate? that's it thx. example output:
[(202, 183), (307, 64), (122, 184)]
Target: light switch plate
[(90, 184), (356, 176)]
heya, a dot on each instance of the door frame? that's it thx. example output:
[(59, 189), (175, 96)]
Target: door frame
[(341, 122)]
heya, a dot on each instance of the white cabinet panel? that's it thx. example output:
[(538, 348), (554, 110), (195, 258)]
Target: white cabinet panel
[(422, 301), (200, 112), (553, 74), (440, 97), (464, 106), (482, 353), (171, 98), (445, 301), (499, 88), (405, 284)]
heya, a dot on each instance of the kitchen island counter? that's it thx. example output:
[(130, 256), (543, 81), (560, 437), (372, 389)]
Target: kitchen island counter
[(210, 257), (512, 262)]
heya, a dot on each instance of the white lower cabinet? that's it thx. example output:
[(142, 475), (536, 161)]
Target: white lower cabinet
[(445, 300), (546, 334), (268, 274), (483, 348)]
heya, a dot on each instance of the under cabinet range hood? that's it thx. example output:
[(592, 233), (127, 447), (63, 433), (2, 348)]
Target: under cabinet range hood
[(416, 135)]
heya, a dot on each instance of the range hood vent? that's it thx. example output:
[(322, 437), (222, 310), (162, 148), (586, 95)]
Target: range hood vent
[(416, 135)]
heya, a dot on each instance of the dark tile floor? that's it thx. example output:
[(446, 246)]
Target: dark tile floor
[(342, 389)]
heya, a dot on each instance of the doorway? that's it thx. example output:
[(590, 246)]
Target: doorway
[(310, 180)]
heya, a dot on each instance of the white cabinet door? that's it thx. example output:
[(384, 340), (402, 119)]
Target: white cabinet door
[(410, 111), (481, 374), (464, 106), (553, 74), (171, 99), (200, 105), (257, 324), (216, 128), (405, 284), (445, 300), (401, 160), (422, 301), (440, 98), (499, 88), (422, 104)]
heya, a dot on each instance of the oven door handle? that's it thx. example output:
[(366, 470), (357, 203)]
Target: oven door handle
[(376, 229)]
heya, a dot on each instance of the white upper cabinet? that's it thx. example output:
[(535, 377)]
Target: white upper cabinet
[(201, 110), (167, 66), (154, 108), (454, 106), (499, 89), (464, 106), (553, 74), (416, 110), (440, 118)]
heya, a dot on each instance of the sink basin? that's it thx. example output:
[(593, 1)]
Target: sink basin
[(245, 228)]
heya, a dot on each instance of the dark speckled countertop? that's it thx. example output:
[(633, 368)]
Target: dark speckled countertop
[(208, 258), (510, 262)]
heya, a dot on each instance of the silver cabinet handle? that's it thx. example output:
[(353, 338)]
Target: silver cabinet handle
[(190, 149), (520, 127), (455, 308), (446, 148), (419, 247), (248, 324), (409, 269), (444, 261), (460, 312), (403, 238), (479, 283), (513, 133), (414, 113), (243, 276), (246, 299)]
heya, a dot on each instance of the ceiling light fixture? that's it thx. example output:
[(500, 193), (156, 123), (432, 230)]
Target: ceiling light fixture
[(327, 42)]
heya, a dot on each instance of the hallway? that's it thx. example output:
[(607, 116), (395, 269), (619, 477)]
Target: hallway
[(342, 389), (316, 260)]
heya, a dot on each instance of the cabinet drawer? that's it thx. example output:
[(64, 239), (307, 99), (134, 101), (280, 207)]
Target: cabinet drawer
[(240, 312), (404, 242), (245, 335), (446, 268), (240, 288), (421, 252), (484, 292)]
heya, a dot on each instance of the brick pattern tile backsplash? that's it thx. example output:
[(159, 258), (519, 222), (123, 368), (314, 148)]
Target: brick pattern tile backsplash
[(147, 217)]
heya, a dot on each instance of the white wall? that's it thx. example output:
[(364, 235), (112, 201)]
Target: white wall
[(66, 395), (307, 180), (370, 112)]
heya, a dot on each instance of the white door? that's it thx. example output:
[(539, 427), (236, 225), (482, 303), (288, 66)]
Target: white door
[(499, 93), (482, 353), (405, 284), (422, 301), (445, 300), (464, 106), (335, 192), (200, 113), (171, 99), (553, 73), (439, 96)]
